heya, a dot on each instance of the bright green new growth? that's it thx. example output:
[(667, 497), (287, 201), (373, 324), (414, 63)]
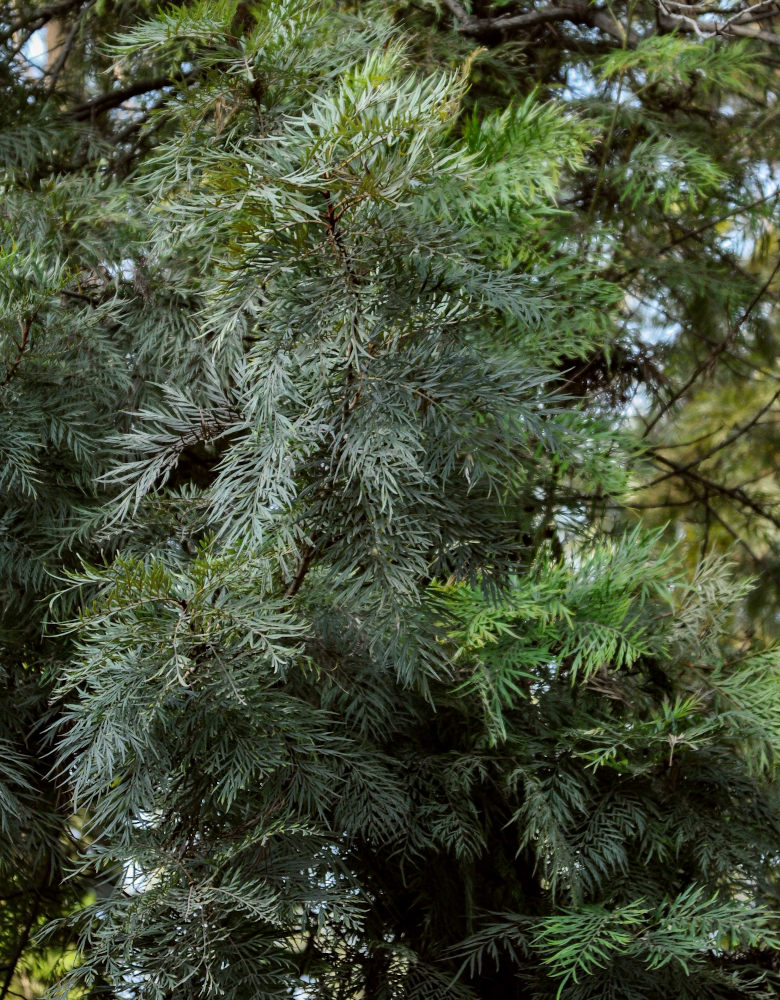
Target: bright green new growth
[(349, 699)]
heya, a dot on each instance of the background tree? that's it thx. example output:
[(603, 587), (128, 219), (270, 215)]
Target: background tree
[(677, 205), (323, 341)]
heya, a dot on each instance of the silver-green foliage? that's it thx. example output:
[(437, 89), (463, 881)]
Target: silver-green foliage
[(348, 699)]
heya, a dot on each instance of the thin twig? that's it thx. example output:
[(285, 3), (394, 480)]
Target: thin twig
[(714, 354), (734, 493), (690, 234), (734, 436)]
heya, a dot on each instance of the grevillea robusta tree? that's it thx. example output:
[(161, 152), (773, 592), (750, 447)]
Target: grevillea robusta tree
[(334, 663)]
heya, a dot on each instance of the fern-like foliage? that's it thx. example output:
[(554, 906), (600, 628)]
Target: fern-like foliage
[(326, 680)]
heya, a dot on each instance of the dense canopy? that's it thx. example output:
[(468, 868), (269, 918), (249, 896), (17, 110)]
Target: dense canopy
[(389, 521)]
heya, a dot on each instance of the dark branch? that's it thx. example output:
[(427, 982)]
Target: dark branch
[(715, 353), (575, 13), (691, 234), (23, 941), (107, 102), (300, 576), (678, 17), (732, 438), (671, 17), (67, 47), (734, 493), (21, 349)]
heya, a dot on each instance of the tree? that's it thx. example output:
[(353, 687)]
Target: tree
[(677, 205), (334, 664)]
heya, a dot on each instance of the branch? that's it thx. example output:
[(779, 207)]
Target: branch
[(711, 512), (674, 20), (20, 349), (24, 939), (735, 435), (300, 576), (59, 64), (575, 13), (734, 493), (107, 102), (716, 352), (460, 12), (689, 234), (671, 17)]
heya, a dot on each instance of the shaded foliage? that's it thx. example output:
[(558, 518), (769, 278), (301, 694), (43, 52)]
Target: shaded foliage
[(334, 663)]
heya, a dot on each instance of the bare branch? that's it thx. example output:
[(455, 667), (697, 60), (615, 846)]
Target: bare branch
[(691, 233), (734, 493), (732, 438), (575, 13), (686, 18), (674, 17), (715, 353)]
